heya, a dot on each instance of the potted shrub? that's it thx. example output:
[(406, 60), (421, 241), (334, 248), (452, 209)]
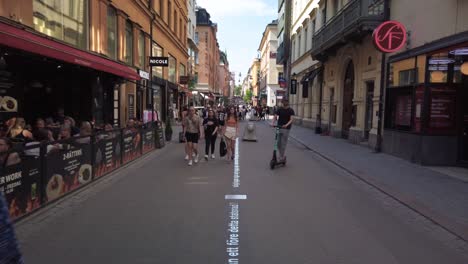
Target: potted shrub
[(168, 130)]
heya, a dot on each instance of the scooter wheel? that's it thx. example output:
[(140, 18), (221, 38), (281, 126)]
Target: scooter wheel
[(272, 164)]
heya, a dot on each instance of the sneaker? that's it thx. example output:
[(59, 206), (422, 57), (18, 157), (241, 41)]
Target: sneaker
[(186, 157), (196, 159), (213, 156), (190, 163), (206, 157)]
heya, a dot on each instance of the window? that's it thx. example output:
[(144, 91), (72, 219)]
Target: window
[(157, 52), (112, 32), (175, 23), (314, 25), (407, 77), (305, 39), (299, 40), (196, 58), (196, 38), (172, 69), (128, 42), (324, 17), (141, 50), (181, 70), (294, 50), (161, 8), (169, 8), (63, 20), (181, 30)]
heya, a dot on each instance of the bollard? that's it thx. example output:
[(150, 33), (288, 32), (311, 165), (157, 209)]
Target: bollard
[(250, 132)]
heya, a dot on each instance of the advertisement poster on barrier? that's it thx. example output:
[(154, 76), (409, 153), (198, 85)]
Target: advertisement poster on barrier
[(21, 185), (108, 155), (67, 169), (148, 140), (131, 146)]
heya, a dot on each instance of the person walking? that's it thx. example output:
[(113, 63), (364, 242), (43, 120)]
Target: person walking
[(211, 133), (284, 116), (192, 132), (183, 116), (231, 131)]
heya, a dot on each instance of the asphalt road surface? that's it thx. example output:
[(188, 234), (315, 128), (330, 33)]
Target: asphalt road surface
[(159, 210)]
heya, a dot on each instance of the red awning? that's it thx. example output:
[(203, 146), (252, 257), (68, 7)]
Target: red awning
[(21, 39)]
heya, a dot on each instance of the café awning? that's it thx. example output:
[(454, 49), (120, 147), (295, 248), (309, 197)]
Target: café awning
[(310, 76), (22, 39)]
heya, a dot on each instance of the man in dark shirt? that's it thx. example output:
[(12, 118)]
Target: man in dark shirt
[(284, 115)]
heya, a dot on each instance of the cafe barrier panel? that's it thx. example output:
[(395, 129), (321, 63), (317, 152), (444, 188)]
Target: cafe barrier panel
[(43, 172)]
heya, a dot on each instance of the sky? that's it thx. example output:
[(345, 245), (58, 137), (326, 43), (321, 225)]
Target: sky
[(240, 27)]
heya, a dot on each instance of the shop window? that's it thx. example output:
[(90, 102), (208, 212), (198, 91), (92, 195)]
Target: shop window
[(141, 50), (157, 52), (112, 32), (128, 43), (399, 110), (63, 20), (407, 70), (439, 67), (442, 110), (172, 69), (407, 77)]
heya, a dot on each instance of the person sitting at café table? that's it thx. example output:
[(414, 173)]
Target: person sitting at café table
[(86, 130), (65, 132), (18, 130), (7, 158), (41, 136), (71, 122)]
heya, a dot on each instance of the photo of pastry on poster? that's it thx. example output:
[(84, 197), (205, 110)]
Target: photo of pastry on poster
[(131, 146), (107, 155), (66, 170), (20, 184)]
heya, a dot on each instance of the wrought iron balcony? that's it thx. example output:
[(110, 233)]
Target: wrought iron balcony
[(352, 22)]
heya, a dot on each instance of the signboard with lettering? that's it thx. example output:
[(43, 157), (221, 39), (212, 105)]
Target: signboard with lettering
[(131, 145), (442, 109), (148, 140), (183, 79), (131, 106), (159, 61), (107, 152), (390, 36), (21, 185), (67, 168), (159, 136)]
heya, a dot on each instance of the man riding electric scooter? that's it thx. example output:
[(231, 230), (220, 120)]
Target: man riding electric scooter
[(284, 115)]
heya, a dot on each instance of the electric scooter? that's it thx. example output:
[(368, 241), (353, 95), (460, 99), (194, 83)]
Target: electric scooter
[(274, 161)]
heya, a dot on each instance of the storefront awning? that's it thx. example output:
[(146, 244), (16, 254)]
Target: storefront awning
[(309, 77), (21, 39)]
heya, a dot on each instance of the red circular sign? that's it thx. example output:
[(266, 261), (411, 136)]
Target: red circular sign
[(390, 36)]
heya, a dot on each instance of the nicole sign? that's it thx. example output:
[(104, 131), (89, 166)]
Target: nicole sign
[(159, 61), (390, 36)]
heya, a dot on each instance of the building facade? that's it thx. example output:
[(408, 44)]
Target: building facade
[(224, 76), (208, 56), (306, 99), (426, 110), (255, 84), (192, 40), (269, 70), (90, 56)]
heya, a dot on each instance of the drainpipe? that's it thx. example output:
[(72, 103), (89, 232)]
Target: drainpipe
[(383, 76)]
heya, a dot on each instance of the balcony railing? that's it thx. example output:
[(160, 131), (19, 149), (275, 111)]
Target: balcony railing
[(356, 16)]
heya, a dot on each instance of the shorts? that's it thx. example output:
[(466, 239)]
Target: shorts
[(192, 137), (230, 133)]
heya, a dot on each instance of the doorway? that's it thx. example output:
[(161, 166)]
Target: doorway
[(369, 108), (348, 94)]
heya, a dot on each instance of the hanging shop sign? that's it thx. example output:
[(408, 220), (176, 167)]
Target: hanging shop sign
[(159, 61), (144, 75), (293, 86), (390, 36), (183, 79)]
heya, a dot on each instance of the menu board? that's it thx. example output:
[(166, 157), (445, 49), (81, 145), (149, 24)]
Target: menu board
[(108, 155), (131, 106), (148, 140), (67, 169), (442, 108), (21, 185), (131, 145), (159, 136), (403, 110)]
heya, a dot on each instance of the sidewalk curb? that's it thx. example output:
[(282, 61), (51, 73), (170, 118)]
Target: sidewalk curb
[(446, 223)]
